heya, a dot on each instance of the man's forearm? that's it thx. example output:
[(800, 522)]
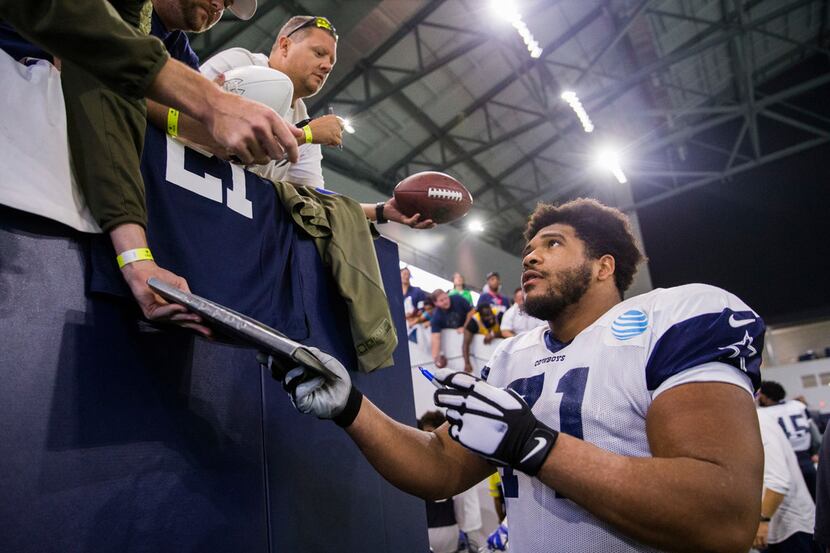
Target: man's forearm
[(770, 501), (180, 87), (128, 237), (427, 464), (436, 344), (465, 345), (678, 504), (189, 128)]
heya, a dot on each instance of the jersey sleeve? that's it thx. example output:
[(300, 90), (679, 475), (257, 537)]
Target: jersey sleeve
[(472, 326), (697, 324)]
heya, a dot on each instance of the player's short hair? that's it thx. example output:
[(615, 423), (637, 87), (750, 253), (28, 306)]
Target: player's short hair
[(773, 390), (431, 418), (605, 230), (437, 292)]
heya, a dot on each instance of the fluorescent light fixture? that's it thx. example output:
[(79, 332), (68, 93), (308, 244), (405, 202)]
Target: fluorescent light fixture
[(507, 10), (609, 160), (475, 226), (573, 100)]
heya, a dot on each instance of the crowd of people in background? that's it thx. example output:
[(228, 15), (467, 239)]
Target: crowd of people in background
[(493, 316)]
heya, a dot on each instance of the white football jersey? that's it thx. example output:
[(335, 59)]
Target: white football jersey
[(793, 419), (599, 388)]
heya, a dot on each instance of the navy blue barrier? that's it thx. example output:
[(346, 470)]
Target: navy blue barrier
[(116, 437)]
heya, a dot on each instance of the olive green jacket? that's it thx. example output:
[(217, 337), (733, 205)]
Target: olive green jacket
[(98, 36), (343, 238)]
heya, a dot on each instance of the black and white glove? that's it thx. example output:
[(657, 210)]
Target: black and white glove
[(495, 423), (325, 396)]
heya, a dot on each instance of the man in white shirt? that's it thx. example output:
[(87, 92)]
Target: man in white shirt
[(515, 320), (787, 510), (305, 51)]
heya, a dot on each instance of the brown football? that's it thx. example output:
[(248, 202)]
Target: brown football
[(434, 195)]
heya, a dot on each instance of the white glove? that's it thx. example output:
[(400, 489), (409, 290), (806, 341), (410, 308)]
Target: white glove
[(495, 423), (327, 396), (497, 541)]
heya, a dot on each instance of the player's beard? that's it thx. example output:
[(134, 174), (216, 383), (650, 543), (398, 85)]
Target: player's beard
[(573, 283)]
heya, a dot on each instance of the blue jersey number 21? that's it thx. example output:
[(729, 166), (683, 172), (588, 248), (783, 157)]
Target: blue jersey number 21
[(572, 387)]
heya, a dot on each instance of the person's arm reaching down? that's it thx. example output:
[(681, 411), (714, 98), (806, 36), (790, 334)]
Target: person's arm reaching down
[(465, 349), (129, 237)]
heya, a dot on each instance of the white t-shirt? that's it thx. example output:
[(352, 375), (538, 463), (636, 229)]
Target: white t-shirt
[(308, 170), (600, 386), (516, 320), (797, 512)]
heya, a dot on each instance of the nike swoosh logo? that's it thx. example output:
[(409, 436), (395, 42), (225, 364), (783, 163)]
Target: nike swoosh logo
[(541, 443), (738, 323)]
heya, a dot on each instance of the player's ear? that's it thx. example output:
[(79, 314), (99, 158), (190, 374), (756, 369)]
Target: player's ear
[(606, 267)]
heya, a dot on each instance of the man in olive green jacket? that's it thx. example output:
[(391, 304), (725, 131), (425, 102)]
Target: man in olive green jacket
[(108, 68)]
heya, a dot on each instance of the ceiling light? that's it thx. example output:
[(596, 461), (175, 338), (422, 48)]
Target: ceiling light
[(573, 100), (507, 10), (608, 159), (475, 226)]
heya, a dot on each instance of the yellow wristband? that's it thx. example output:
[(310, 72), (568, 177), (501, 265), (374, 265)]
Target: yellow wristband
[(173, 122), (131, 256), (307, 133)]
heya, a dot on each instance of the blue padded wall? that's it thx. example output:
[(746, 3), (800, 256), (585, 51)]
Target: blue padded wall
[(118, 437)]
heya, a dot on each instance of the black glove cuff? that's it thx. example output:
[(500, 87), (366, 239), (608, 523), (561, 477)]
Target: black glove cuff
[(536, 449), (350, 410)]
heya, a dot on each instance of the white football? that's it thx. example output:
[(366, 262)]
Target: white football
[(263, 84)]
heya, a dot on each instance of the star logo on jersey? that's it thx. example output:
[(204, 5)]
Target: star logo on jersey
[(741, 349)]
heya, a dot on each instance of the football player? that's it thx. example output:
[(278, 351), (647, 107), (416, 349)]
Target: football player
[(621, 426), (794, 420)]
